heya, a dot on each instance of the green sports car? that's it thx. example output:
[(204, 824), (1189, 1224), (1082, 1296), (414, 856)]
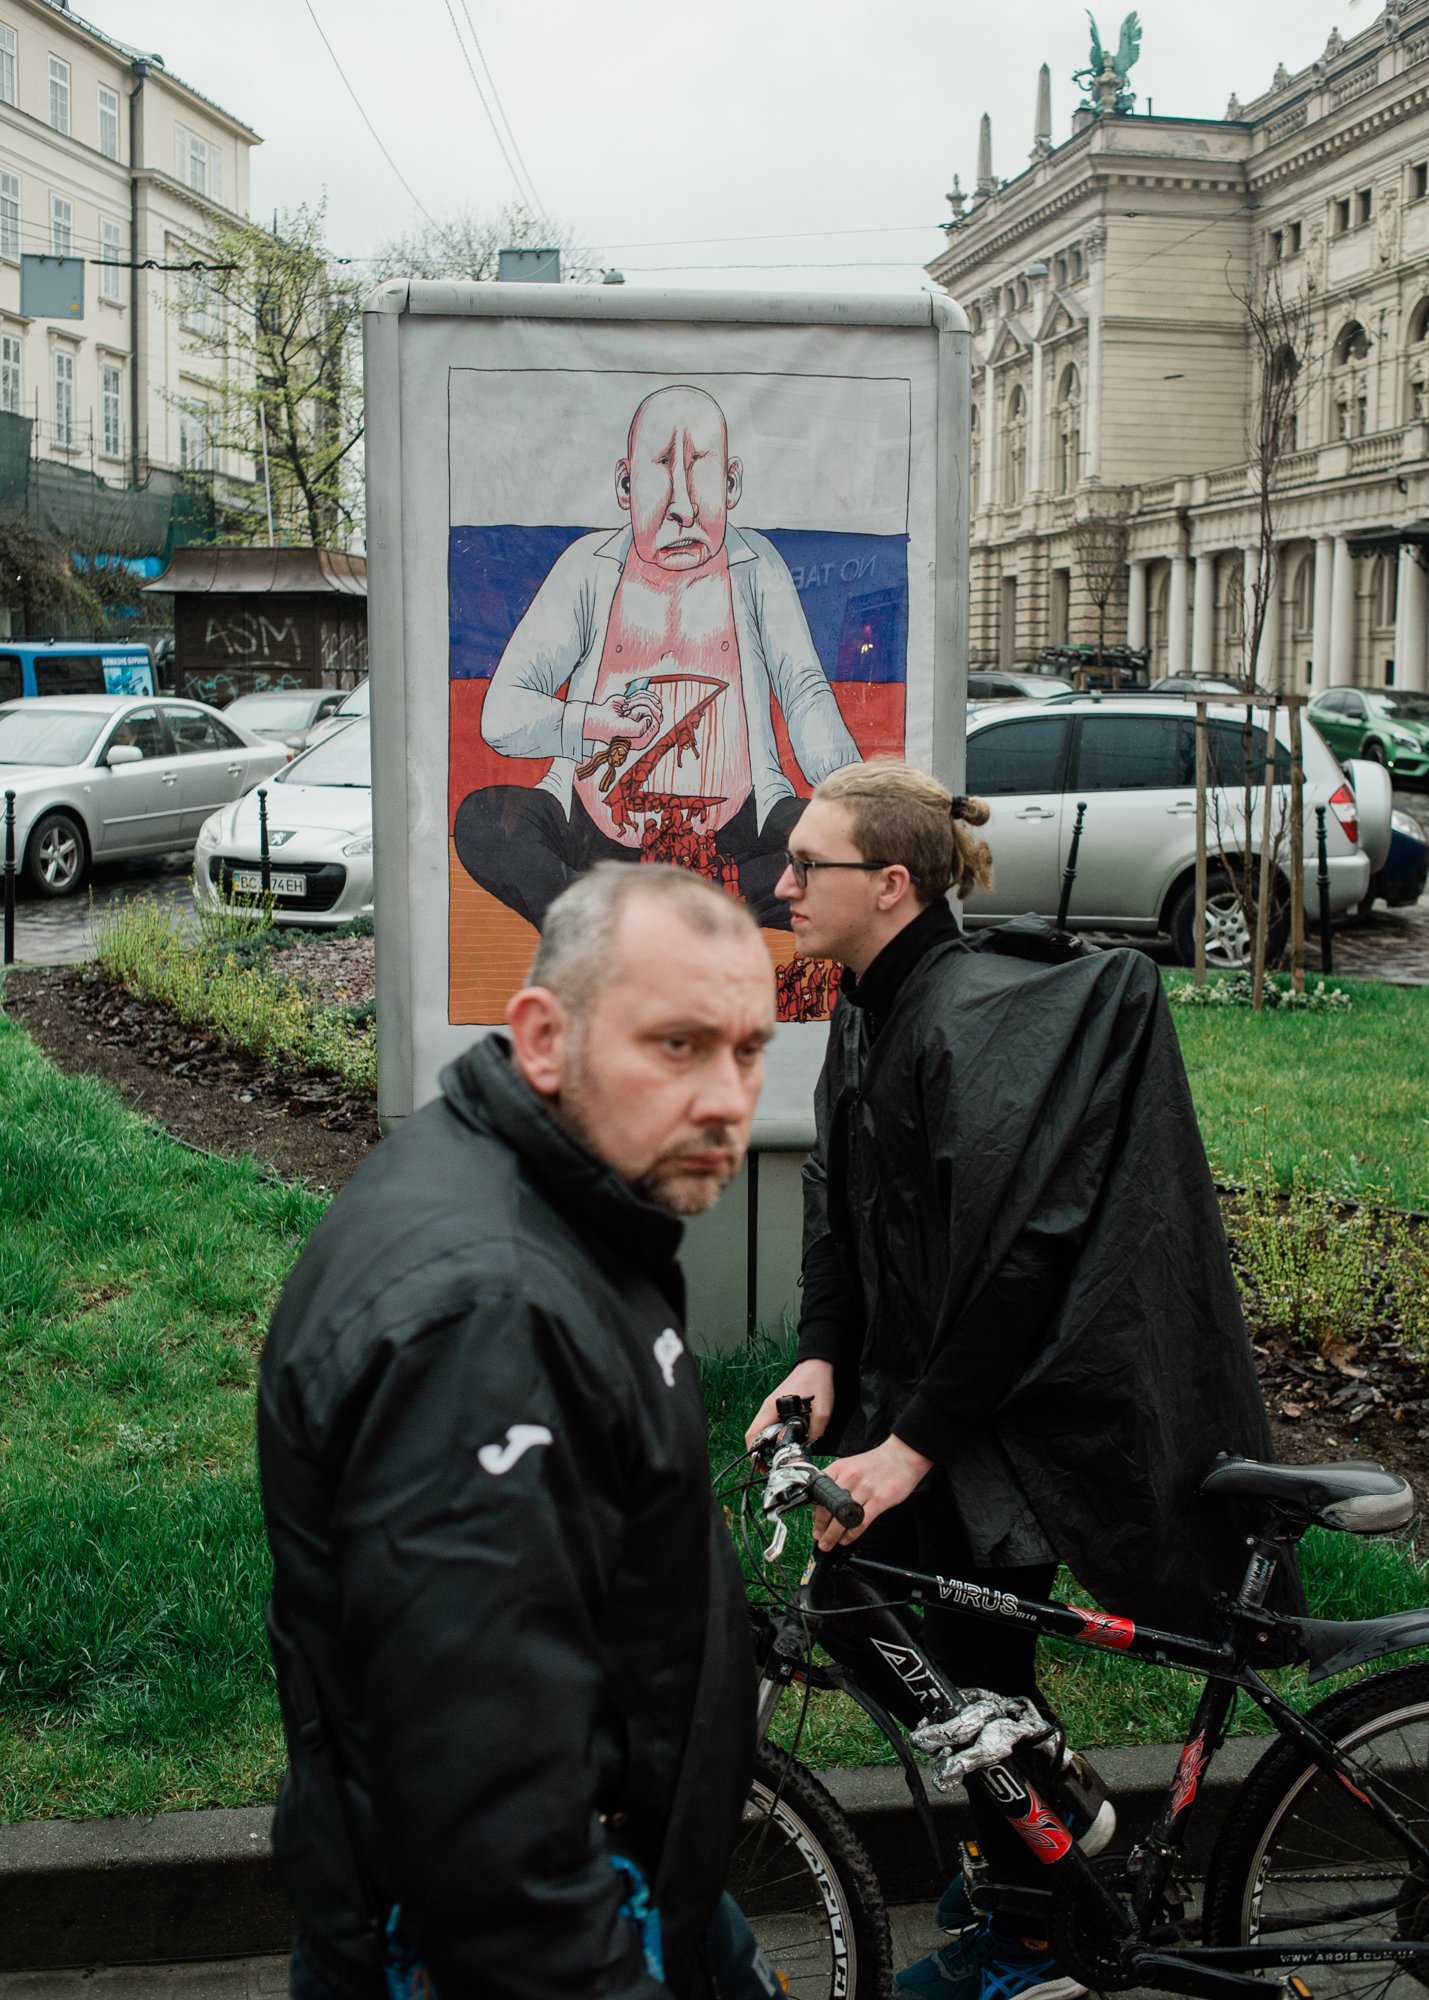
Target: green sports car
[(1387, 725)]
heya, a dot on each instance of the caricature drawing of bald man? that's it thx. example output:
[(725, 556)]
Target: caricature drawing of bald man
[(643, 668)]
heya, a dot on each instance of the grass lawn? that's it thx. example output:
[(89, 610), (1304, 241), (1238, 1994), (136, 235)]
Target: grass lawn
[(1351, 1087), (135, 1283)]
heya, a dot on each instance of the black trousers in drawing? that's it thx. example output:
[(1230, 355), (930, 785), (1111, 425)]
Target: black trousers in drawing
[(522, 846)]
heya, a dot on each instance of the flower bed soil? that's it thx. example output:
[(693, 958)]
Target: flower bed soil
[(1371, 1402)]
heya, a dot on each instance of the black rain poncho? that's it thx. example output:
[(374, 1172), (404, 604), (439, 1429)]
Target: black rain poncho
[(1014, 1178)]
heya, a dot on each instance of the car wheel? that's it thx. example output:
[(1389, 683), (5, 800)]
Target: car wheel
[(1229, 942), (1374, 753), (56, 856)]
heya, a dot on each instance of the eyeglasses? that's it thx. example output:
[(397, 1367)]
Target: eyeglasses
[(803, 869)]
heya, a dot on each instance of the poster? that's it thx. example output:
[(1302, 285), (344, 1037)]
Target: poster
[(642, 570), (674, 606)]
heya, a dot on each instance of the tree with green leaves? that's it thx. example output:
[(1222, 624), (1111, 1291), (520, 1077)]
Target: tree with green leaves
[(282, 318), (39, 583)]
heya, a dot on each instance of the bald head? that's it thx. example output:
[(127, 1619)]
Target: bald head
[(677, 480)]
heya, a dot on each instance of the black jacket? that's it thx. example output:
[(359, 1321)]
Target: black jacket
[(498, 1634), (1012, 1174)]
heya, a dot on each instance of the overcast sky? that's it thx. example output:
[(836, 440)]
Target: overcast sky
[(821, 134)]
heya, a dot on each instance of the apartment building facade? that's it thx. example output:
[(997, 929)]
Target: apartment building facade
[(1117, 374), (105, 155)]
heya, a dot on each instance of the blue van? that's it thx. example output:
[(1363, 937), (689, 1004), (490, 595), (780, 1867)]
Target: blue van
[(72, 666)]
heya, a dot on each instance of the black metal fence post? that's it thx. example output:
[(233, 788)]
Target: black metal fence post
[(9, 878), (265, 864), (1070, 875), (1327, 962)]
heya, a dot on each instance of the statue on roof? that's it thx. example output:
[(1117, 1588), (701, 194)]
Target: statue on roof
[(1105, 78)]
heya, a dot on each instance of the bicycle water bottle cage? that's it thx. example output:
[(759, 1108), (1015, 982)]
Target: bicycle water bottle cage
[(986, 1732), (1357, 1496)]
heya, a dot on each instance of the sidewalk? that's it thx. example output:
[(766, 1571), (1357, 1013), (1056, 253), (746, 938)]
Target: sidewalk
[(141, 1900)]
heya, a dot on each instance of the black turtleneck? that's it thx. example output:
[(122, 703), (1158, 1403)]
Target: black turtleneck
[(831, 1317)]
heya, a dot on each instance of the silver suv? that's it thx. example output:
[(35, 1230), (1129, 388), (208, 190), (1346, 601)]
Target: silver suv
[(1132, 758)]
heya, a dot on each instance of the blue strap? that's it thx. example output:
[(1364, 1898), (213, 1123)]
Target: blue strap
[(642, 1913)]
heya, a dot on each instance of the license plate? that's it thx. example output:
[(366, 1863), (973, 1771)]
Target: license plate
[(249, 882)]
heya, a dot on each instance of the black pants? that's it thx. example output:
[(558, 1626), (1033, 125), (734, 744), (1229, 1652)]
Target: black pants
[(927, 1534), (519, 844)]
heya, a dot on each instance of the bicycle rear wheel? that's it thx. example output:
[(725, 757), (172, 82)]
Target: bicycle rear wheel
[(802, 1878), (1300, 1858)]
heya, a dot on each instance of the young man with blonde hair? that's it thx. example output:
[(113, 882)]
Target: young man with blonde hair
[(1019, 1320)]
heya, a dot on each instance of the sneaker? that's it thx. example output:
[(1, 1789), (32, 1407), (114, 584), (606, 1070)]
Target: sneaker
[(955, 1913), (988, 1965)]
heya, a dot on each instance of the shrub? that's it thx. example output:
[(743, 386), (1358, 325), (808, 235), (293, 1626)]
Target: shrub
[(1312, 1266)]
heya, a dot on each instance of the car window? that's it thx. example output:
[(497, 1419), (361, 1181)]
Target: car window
[(1352, 705), (344, 758), (12, 677), (1017, 756), (69, 673), (142, 728), (1135, 753), (264, 711), (1225, 753), (193, 731), (35, 734), (359, 702), (1332, 703), (1414, 707)]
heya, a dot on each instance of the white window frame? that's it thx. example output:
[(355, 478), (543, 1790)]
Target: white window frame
[(197, 164), (10, 217), (59, 94), (12, 373), (61, 226), (8, 93), (198, 315), (111, 251), (195, 442), (111, 409), (108, 121), (62, 372)]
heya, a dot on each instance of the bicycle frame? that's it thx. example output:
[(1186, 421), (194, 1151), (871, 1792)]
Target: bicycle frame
[(868, 1593)]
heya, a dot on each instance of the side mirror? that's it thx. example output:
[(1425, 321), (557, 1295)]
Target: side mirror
[(123, 753)]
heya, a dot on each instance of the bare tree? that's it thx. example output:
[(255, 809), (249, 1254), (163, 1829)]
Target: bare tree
[(466, 246), (1281, 331), (1100, 539)]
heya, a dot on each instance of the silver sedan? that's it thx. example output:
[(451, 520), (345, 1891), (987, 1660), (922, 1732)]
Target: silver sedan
[(103, 777)]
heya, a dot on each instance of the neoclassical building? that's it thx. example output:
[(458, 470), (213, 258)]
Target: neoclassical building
[(1115, 370)]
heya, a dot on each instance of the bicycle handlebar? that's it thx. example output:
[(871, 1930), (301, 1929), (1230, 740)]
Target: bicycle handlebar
[(826, 1492)]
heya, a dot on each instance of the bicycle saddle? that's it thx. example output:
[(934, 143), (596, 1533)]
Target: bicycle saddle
[(1354, 1494)]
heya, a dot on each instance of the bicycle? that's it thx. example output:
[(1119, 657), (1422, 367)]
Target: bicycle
[(1322, 1865)]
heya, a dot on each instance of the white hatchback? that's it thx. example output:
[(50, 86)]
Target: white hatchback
[(319, 811), (1132, 760)]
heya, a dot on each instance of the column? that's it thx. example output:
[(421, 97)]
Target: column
[(1096, 307), (1411, 607), (1324, 591), (991, 443), (1136, 604), (1267, 658), (1035, 480), (1342, 616), (1203, 616), (1178, 616)]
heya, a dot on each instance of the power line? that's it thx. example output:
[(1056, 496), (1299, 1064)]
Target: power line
[(496, 99), (363, 115), (526, 194)]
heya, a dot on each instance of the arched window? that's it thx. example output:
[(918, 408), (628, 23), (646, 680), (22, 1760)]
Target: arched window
[(1069, 430), (1416, 400), (1283, 374), (1351, 381), (1015, 482)]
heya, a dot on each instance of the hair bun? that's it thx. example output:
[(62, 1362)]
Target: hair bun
[(975, 811)]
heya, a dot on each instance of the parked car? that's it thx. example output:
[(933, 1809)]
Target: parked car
[(73, 666), (1132, 760), (102, 777), (354, 707), (288, 714), (319, 838), (1112, 667), (1389, 726), (1194, 684), (1405, 871), (986, 686)]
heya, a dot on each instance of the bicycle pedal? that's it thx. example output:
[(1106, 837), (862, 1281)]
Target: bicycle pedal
[(1296, 1985)]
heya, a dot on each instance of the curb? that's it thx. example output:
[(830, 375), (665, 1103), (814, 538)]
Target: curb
[(201, 1885)]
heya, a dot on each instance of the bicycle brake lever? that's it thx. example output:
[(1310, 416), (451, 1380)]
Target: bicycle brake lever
[(777, 1541)]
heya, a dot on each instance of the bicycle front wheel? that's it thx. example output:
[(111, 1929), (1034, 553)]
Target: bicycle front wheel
[(1301, 1859), (802, 1878)]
